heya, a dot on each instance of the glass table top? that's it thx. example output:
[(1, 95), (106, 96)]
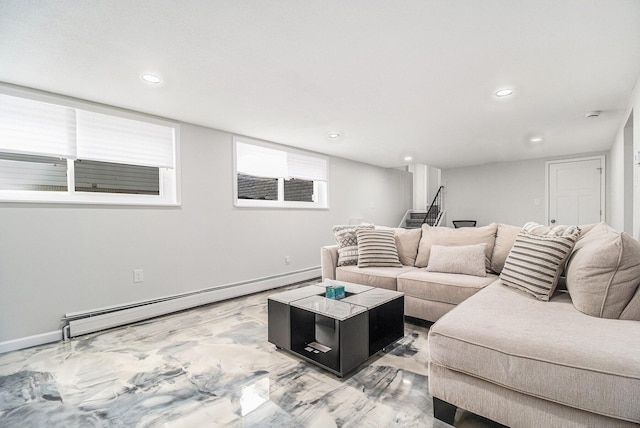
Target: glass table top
[(298, 293), (360, 298), (336, 309), (372, 298)]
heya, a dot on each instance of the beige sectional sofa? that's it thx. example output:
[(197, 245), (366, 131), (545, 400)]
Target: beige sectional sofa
[(571, 361)]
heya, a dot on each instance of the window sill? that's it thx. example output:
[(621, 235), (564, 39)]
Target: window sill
[(86, 199), (249, 203)]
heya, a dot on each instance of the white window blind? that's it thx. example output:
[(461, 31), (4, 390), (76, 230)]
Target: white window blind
[(106, 138), (306, 167), (35, 127), (260, 161)]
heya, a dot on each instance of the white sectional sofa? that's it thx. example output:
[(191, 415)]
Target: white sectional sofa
[(503, 353)]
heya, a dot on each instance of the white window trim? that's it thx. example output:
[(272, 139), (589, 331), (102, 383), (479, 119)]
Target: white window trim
[(170, 179), (322, 202)]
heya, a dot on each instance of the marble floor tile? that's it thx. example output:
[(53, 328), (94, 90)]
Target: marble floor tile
[(212, 367)]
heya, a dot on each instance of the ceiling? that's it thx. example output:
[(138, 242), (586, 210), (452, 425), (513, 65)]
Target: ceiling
[(415, 77)]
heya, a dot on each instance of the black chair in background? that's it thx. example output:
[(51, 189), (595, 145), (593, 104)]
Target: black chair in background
[(464, 223)]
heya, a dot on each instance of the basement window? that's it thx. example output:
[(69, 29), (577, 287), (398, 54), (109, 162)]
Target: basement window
[(57, 150), (33, 173), (105, 177), (267, 175)]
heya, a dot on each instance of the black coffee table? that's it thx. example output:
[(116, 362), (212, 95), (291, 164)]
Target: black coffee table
[(337, 335)]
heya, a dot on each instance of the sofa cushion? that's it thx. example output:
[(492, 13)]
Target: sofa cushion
[(442, 287), (377, 248), (463, 259), (429, 310), (545, 349), (407, 241), (604, 272), (537, 259), (448, 236), (585, 228), (505, 237), (348, 243), (382, 277)]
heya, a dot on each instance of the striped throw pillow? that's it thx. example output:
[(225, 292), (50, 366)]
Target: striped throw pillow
[(536, 261), (348, 243), (377, 248)]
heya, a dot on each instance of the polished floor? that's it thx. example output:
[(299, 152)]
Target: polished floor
[(209, 367)]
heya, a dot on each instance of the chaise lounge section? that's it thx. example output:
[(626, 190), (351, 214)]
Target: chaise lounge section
[(527, 363)]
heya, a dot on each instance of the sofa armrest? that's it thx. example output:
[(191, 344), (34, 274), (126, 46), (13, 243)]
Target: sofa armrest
[(329, 261)]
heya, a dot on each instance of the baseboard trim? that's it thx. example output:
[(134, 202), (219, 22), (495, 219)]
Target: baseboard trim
[(133, 312), (30, 341), (80, 323)]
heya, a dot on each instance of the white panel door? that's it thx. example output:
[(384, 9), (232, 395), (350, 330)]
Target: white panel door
[(575, 192)]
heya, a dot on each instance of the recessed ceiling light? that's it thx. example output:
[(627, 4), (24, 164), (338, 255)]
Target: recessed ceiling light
[(408, 158), (504, 92), (333, 135), (592, 114), (151, 78), (536, 139)]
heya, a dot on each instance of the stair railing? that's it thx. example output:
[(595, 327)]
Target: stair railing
[(435, 209)]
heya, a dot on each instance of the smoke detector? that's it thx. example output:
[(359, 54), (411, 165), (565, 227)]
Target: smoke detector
[(592, 114)]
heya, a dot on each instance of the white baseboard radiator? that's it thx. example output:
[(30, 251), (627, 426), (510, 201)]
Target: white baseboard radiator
[(79, 323)]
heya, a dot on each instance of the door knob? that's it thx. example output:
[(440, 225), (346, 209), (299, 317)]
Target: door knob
[(553, 220)]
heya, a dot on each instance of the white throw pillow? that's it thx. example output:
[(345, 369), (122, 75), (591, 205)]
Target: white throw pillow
[(463, 259)]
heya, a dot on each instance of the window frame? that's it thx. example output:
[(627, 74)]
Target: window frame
[(322, 191), (169, 178)]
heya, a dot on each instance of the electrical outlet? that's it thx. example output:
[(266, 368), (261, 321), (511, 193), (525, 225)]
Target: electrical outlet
[(138, 275), (287, 260)]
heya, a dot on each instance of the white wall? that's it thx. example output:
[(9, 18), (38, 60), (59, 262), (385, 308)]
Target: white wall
[(434, 183), (621, 184), (635, 107), (628, 177), (615, 202), (420, 186), (62, 258), (626, 184), (501, 192), (426, 181)]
